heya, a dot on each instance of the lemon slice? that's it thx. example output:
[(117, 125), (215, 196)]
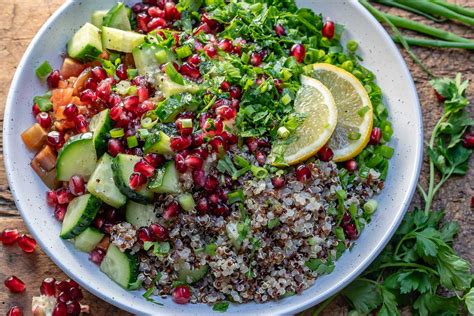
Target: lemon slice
[(316, 102), (355, 113)]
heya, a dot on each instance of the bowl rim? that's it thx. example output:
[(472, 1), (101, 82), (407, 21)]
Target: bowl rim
[(290, 308)]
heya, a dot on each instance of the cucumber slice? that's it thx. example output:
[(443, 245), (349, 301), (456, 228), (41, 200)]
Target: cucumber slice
[(166, 180), (158, 143), (117, 18), (145, 57), (122, 167), (86, 44), (101, 124), (97, 17), (79, 215), (140, 215), (88, 239), (121, 41), (187, 202), (121, 267), (77, 157), (191, 276), (102, 184)]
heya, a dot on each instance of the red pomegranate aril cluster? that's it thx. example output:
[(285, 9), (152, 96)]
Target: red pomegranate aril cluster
[(15, 311), (256, 59), (9, 236), (190, 71), (144, 168), (299, 52), (137, 180), (14, 284), (27, 243), (328, 29), (375, 136), (181, 294), (180, 143), (88, 96), (303, 173), (77, 185)]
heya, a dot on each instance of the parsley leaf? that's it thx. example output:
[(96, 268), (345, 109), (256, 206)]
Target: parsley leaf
[(221, 307)]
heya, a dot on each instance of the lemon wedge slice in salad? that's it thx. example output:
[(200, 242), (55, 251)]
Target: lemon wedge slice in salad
[(355, 112), (314, 101)]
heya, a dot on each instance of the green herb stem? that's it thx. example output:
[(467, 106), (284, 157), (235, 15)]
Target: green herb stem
[(403, 265), (438, 10), (394, 4), (456, 8), (434, 43)]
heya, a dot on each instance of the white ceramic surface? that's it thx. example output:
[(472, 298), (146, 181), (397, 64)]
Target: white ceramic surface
[(380, 55)]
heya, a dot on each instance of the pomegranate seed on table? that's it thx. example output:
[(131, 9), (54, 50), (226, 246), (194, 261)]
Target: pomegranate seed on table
[(160, 232), (53, 79), (97, 255), (299, 52), (44, 119), (137, 180), (115, 147), (325, 154), (202, 206), (15, 285), (144, 234), (88, 96), (468, 140), (351, 165), (328, 29), (51, 198), (60, 309), (256, 59), (278, 182), (375, 136), (171, 210), (181, 294), (48, 287), (9, 236), (63, 196), (60, 212), (303, 173), (77, 185), (15, 311), (27, 243), (73, 308), (180, 143), (280, 30)]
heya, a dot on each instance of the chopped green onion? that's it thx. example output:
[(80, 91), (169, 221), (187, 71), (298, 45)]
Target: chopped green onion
[(210, 249), (132, 73), (370, 206), (386, 152), (173, 74), (348, 65), (341, 194), (132, 90), (148, 123), (117, 133), (183, 51), (352, 46), (353, 210), (340, 234), (242, 162), (286, 99), (259, 172), (283, 132), (286, 74), (43, 70), (122, 87), (235, 196), (374, 161), (187, 123), (132, 141), (161, 57)]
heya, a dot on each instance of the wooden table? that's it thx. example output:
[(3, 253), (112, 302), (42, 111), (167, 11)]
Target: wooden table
[(20, 20)]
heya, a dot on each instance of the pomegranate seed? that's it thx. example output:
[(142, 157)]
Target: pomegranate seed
[(9, 236), (90, 84), (210, 50), (194, 60), (55, 139), (63, 196), (131, 103), (73, 308), (328, 29), (181, 294), (231, 139), (256, 59), (202, 206), (225, 86), (193, 162), (81, 123), (115, 112), (180, 143), (198, 140), (190, 71), (53, 79), (211, 183), (143, 94), (88, 96), (104, 89), (156, 23), (27, 243), (72, 283), (51, 198), (44, 119), (60, 309), (261, 158), (375, 136), (325, 154), (235, 92), (154, 160), (219, 146), (142, 21), (15, 311), (346, 218), (144, 168), (280, 30), (351, 231), (278, 85), (199, 178), (226, 45), (77, 185), (156, 12), (351, 165), (48, 287), (171, 12), (98, 73), (214, 198), (14, 284), (278, 182), (76, 294), (184, 131), (468, 140), (60, 212), (144, 234), (213, 127), (299, 52), (221, 209), (121, 72), (63, 286), (64, 296), (35, 109), (171, 210), (303, 173), (252, 144), (160, 232), (137, 180), (97, 255), (139, 7), (115, 147), (180, 164)]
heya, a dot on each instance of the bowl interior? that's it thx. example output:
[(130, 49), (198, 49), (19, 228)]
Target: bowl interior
[(380, 55)]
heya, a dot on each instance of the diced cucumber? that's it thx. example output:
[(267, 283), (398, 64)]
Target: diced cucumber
[(117, 18), (102, 184), (158, 143), (79, 215), (121, 41), (97, 17), (146, 60), (100, 125), (140, 215), (86, 44), (88, 239), (121, 267), (192, 275), (186, 201), (122, 167), (170, 88), (166, 180), (77, 157)]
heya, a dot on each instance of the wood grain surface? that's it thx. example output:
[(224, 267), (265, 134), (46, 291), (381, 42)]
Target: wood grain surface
[(19, 22)]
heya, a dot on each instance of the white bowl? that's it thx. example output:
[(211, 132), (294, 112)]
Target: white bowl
[(380, 55)]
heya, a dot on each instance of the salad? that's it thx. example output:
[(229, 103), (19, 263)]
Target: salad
[(213, 151)]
